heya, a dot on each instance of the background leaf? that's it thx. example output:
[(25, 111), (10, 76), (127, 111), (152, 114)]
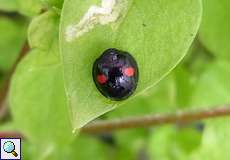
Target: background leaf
[(29, 7), (214, 31), (170, 142), (172, 31), (56, 3), (6, 5), (130, 144), (37, 92), (211, 88), (13, 35), (84, 147), (214, 146), (43, 32)]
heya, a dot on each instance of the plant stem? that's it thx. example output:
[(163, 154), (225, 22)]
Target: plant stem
[(146, 121), (10, 135), (156, 119)]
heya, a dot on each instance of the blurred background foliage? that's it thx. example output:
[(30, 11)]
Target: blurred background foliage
[(199, 81)]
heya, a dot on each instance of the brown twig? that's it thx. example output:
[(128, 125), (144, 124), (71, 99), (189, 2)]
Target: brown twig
[(4, 112), (146, 121), (10, 135), (153, 120)]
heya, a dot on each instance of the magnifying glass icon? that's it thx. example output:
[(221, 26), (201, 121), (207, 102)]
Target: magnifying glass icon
[(9, 147)]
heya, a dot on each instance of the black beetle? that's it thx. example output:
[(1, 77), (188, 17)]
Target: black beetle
[(115, 74)]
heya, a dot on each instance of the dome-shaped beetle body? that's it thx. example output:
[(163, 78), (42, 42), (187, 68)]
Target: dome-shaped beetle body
[(115, 74)]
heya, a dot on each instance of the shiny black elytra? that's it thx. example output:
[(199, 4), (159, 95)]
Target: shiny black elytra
[(115, 74)]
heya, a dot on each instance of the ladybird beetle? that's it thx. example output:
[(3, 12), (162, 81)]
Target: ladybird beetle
[(115, 74)]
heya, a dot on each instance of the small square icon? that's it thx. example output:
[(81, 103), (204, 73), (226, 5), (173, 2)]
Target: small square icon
[(10, 149)]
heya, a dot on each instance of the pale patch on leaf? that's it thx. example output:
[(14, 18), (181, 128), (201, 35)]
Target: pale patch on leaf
[(108, 12)]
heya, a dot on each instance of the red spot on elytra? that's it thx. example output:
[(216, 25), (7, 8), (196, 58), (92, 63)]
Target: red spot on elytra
[(129, 71), (101, 78)]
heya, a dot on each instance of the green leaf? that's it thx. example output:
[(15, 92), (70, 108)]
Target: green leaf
[(214, 143), (26, 150), (213, 88), (34, 7), (84, 147), (13, 35), (6, 5), (37, 95), (40, 27), (38, 102), (56, 3), (161, 98), (8, 126), (169, 143), (157, 33), (197, 60), (184, 87), (29, 7), (214, 32), (130, 143)]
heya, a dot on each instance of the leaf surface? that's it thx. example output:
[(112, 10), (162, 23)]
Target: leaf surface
[(156, 33)]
